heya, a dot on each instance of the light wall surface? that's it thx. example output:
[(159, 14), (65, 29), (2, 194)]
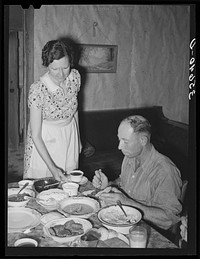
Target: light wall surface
[(153, 53)]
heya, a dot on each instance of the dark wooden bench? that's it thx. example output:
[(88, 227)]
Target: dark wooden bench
[(100, 129)]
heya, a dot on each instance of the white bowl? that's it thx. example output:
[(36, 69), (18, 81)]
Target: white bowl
[(70, 188), (23, 182), (85, 223), (79, 203), (112, 217), (49, 199), (26, 242), (12, 191)]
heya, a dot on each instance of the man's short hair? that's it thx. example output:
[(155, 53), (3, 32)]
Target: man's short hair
[(139, 124)]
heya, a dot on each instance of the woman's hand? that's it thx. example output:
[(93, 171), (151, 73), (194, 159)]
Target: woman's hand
[(100, 180), (59, 175)]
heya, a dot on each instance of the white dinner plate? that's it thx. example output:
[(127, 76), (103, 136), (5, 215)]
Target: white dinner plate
[(20, 219)]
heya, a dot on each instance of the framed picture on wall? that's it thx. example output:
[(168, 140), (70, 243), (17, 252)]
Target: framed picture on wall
[(98, 58)]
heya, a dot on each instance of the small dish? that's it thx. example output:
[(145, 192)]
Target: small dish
[(23, 182), (45, 184), (20, 201), (71, 188), (26, 242)]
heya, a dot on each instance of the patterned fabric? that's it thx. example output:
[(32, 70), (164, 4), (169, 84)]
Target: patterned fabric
[(155, 183), (56, 103)]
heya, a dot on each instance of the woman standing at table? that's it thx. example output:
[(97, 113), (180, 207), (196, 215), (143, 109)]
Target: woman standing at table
[(53, 142)]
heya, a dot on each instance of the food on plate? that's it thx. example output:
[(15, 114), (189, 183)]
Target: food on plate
[(78, 209), (96, 193), (19, 197), (51, 196), (117, 217), (104, 233), (101, 233), (91, 235), (107, 233), (106, 190), (70, 228)]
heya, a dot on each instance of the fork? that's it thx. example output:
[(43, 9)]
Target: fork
[(120, 205)]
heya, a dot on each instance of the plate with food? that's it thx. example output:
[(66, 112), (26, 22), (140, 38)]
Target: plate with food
[(82, 207), (19, 200), (113, 217), (103, 234), (50, 198), (20, 219), (66, 229)]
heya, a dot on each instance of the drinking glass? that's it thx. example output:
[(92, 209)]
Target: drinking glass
[(138, 236)]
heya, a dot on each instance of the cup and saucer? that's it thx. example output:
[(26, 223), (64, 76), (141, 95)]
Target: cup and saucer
[(77, 176)]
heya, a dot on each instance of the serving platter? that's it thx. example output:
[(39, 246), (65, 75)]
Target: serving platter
[(20, 219)]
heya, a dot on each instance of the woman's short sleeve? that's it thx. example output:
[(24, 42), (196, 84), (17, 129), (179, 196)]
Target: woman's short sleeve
[(36, 96), (77, 79)]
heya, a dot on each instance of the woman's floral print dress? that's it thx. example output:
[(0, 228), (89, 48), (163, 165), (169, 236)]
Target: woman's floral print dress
[(60, 131)]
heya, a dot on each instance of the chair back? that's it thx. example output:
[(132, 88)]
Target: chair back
[(183, 191)]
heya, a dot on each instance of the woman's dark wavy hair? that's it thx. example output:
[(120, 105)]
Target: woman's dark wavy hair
[(57, 49)]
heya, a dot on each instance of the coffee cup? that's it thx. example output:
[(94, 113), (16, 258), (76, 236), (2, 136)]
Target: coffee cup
[(70, 188), (76, 176)]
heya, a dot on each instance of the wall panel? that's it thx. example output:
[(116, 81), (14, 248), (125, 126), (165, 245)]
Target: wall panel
[(153, 53)]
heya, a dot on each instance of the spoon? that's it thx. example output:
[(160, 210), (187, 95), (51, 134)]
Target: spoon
[(120, 205), (22, 188), (52, 184)]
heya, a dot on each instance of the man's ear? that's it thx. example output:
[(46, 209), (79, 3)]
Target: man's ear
[(143, 140)]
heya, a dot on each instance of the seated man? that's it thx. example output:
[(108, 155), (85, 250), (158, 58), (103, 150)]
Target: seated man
[(149, 180)]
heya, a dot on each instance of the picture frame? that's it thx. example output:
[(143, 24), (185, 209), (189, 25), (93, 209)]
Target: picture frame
[(98, 58)]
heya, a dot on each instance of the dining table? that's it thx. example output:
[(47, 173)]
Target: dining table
[(155, 239)]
